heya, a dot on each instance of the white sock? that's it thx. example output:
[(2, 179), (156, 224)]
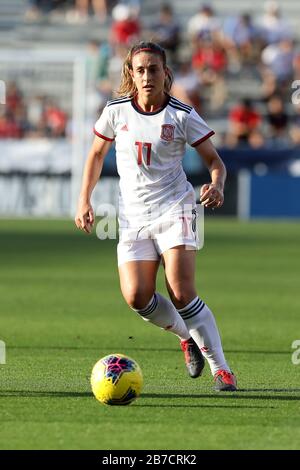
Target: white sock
[(161, 312), (203, 329)]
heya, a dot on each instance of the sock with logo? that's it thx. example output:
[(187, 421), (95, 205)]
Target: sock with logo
[(203, 329)]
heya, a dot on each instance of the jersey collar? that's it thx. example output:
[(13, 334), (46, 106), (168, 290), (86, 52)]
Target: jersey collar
[(140, 110)]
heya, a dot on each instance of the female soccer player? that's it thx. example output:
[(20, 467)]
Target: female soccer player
[(157, 204)]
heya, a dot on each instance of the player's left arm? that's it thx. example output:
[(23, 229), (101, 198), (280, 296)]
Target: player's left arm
[(212, 194)]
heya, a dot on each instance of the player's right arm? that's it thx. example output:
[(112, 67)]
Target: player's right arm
[(84, 218)]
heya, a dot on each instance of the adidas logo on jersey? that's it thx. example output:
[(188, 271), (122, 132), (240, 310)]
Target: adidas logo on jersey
[(124, 128)]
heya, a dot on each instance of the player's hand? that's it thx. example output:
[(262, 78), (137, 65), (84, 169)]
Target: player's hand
[(211, 196), (84, 218)]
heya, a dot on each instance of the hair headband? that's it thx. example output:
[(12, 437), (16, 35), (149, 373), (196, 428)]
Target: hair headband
[(148, 49)]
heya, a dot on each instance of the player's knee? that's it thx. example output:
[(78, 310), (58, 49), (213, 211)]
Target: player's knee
[(182, 295), (138, 299)]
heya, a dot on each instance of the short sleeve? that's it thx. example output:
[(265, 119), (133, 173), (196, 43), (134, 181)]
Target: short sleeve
[(197, 131), (103, 127)]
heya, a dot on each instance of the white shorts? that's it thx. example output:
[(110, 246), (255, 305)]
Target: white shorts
[(148, 243)]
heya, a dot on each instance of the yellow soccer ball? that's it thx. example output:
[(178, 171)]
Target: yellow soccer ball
[(116, 380)]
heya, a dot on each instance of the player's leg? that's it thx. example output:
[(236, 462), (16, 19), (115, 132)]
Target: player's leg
[(138, 281), (179, 264)]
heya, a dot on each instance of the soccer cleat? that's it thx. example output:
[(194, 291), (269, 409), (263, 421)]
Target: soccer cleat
[(193, 358), (225, 381)]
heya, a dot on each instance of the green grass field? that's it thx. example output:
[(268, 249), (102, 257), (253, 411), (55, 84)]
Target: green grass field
[(61, 310)]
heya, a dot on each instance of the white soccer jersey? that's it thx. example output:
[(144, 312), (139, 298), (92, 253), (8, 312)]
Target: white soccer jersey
[(149, 152)]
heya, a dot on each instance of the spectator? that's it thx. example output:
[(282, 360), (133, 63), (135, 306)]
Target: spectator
[(9, 128), (99, 7), (209, 55), (243, 121), (277, 68), (187, 85), (93, 63), (277, 117), (115, 68), (125, 28), (256, 139), (135, 7), (36, 116), (166, 31), (295, 128), (204, 24), (84, 9), (38, 8), (21, 120), (14, 97), (35, 110), (210, 62), (273, 28), (278, 58), (55, 119), (241, 39), (296, 65)]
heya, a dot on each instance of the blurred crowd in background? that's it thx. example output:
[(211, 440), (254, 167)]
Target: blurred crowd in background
[(206, 55)]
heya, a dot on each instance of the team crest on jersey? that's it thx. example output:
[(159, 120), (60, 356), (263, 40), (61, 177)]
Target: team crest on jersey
[(167, 132)]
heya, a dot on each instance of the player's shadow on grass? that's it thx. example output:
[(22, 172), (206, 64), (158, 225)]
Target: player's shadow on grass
[(167, 396), (141, 349), (201, 405), (239, 395), (44, 394), (272, 390)]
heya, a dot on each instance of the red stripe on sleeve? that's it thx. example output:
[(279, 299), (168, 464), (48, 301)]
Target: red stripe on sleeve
[(103, 136), (207, 136)]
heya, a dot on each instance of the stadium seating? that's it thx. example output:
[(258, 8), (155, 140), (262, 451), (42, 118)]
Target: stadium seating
[(16, 31)]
